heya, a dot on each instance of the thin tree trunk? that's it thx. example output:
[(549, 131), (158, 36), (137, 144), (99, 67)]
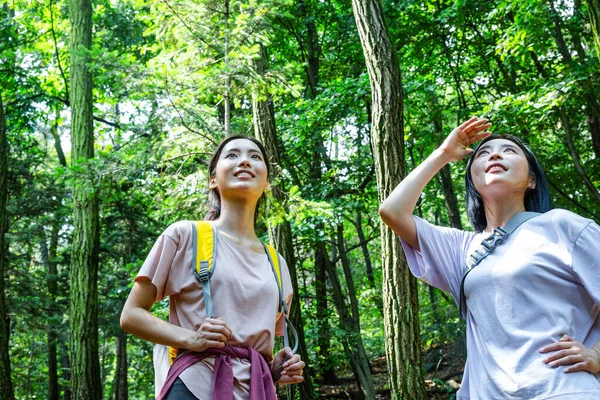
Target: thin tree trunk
[(121, 373), (575, 156), (65, 364), (593, 106), (6, 388), (365, 250), (312, 73), (400, 301), (594, 10), (323, 354), (350, 337), (445, 175), (85, 368), (53, 275), (53, 389), (362, 365), (281, 235)]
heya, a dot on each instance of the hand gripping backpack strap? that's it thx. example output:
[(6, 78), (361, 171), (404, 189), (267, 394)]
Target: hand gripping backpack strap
[(488, 245), (204, 240), (273, 257)]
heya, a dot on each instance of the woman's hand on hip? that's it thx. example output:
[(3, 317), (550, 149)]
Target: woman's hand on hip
[(456, 145), (568, 351), (287, 367), (212, 333)]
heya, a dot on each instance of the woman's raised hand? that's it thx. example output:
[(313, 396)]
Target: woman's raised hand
[(212, 333), (456, 145)]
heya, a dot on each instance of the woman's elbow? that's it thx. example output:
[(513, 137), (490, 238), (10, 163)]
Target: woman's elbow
[(384, 211), (387, 214), (125, 320)]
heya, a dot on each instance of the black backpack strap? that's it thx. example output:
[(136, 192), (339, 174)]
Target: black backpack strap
[(488, 245)]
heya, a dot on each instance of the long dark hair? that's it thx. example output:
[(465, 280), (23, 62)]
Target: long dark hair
[(214, 199), (537, 199)]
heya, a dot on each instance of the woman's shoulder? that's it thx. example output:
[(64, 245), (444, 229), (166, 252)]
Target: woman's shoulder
[(563, 221), (562, 217), (180, 230)]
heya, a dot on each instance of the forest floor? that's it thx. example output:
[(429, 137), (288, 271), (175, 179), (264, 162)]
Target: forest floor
[(444, 372)]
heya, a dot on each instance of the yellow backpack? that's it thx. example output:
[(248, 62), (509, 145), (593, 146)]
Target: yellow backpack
[(203, 265)]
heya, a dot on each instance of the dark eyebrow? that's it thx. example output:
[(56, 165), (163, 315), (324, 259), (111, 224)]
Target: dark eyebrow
[(504, 146), (234, 150)]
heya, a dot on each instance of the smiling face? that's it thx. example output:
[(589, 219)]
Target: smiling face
[(241, 170), (499, 169)]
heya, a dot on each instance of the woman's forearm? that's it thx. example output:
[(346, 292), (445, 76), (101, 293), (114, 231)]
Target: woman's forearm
[(143, 324), (397, 210)]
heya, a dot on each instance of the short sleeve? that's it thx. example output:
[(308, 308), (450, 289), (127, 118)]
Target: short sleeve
[(440, 261), (585, 260), (288, 293), (157, 267)]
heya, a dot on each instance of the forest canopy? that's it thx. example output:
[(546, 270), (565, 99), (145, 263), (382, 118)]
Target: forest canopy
[(110, 111)]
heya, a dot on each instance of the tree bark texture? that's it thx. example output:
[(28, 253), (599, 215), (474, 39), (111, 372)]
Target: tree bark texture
[(281, 235), (400, 301), (6, 389), (85, 368), (121, 373), (53, 389)]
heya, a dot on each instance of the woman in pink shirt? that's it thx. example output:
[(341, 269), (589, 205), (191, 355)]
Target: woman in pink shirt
[(244, 292), (532, 305)]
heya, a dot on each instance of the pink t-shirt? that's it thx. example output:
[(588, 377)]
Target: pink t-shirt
[(244, 293)]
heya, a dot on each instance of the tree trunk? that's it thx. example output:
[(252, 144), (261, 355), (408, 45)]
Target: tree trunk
[(593, 106), (53, 389), (575, 155), (6, 389), (594, 10), (351, 321), (85, 368), (368, 265), (323, 354), (445, 175), (65, 365), (400, 301), (312, 74), (121, 373), (281, 235)]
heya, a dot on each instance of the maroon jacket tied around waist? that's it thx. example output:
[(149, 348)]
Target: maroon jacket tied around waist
[(261, 382)]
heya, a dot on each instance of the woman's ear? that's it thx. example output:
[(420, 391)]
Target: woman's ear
[(268, 187), (212, 183), (531, 184)]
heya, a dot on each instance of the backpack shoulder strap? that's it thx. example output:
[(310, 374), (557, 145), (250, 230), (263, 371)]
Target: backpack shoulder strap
[(273, 257), (203, 265), (203, 261), (488, 245)]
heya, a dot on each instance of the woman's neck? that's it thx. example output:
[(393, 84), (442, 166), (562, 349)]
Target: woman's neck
[(498, 213), (237, 220)]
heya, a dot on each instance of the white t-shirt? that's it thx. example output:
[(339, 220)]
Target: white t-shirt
[(541, 283)]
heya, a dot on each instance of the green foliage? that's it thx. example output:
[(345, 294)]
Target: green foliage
[(162, 73)]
